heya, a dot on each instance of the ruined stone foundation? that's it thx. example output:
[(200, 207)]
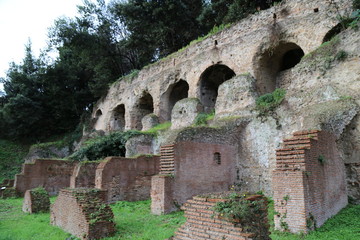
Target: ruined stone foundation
[(203, 223), (83, 213), (309, 181)]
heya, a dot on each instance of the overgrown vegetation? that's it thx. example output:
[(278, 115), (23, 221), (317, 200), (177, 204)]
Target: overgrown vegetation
[(202, 119), (268, 102), (11, 158), (160, 127), (100, 147)]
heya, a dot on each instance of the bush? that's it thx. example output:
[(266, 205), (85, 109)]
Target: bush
[(268, 102), (111, 145), (203, 118)]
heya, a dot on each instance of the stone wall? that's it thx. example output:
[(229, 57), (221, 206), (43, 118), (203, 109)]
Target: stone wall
[(47, 173), (242, 48), (203, 223), (197, 168), (83, 213), (84, 175), (36, 200), (308, 182), (127, 179)]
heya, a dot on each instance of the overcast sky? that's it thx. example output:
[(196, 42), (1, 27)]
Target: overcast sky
[(24, 19)]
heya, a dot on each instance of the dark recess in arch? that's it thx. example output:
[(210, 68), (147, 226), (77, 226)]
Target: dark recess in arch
[(145, 106), (333, 32), (210, 80), (118, 118), (98, 113), (273, 62), (175, 93)]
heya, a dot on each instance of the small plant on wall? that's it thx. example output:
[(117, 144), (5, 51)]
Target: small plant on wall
[(267, 103)]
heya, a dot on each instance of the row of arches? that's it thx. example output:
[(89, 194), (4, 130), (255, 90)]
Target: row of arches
[(270, 64), (284, 57)]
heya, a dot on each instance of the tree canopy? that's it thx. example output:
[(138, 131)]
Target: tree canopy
[(101, 44)]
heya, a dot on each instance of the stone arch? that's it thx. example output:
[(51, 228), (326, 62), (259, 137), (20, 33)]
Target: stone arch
[(173, 94), (210, 80), (332, 32), (98, 113), (144, 106), (273, 61), (117, 121)]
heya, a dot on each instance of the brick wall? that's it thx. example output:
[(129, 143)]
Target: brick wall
[(36, 200), (308, 182), (47, 173), (83, 213), (83, 175), (127, 179), (203, 223), (192, 168)]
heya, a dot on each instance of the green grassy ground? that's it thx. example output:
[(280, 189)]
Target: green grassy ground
[(134, 221)]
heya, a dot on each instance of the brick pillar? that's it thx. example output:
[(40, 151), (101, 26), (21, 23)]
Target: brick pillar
[(308, 182), (162, 194)]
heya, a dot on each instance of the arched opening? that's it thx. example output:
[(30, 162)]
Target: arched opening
[(210, 80), (98, 113), (117, 122), (273, 62), (145, 105), (333, 32), (173, 94)]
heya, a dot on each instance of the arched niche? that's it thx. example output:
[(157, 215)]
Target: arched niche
[(98, 113), (144, 106), (333, 32), (210, 80), (273, 62), (173, 94), (117, 121)]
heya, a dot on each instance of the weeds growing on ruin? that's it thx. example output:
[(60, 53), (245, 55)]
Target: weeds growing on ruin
[(202, 119), (267, 103)]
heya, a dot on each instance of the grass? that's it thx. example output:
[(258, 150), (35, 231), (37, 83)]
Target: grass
[(11, 158), (344, 226), (133, 221), (160, 127)]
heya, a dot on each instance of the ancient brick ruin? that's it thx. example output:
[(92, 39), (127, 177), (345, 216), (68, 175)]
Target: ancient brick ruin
[(204, 223), (240, 145), (127, 179), (36, 200), (47, 173), (188, 169), (83, 213), (83, 175), (309, 181)]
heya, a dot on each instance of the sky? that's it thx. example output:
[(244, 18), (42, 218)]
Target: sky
[(24, 19)]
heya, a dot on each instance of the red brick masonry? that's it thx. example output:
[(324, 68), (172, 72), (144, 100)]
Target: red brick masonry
[(83, 213), (308, 182), (203, 224), (47, 173), (127, 179)]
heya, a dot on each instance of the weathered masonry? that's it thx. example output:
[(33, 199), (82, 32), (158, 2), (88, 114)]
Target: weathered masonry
[(308, 182), (264, 46)]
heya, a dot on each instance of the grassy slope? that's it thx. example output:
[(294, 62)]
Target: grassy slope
[(11, 158)]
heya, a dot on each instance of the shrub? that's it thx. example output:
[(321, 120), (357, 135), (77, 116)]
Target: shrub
[(203, 118), (268, 102), (111, 145)]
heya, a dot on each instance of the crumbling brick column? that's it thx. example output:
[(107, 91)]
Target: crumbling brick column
[(36, 200), (203, 223), (308, 182), (83, 213)]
